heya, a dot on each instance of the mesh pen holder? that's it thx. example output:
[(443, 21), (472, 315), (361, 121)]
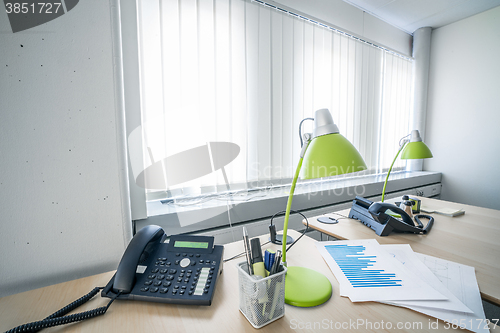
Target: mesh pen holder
[(262, 301)]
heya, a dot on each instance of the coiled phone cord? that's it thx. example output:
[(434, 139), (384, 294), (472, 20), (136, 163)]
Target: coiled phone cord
[(59, 318)]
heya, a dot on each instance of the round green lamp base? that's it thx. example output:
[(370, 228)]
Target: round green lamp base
[(305, 287)]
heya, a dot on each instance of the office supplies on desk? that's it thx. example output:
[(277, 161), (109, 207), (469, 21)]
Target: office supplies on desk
[(261, 301), (377, 216), (407, 206), (248, 253), (277, 264), (417, 205), (257, 259), (444, 211), (269, 256)]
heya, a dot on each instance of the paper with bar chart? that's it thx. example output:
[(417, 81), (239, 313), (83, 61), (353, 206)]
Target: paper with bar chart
[(366, 272)]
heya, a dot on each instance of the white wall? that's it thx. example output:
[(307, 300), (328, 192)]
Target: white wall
[(463, 114), (61, 206)]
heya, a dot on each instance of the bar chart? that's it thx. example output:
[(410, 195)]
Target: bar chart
[(358, 268), (366, 272)]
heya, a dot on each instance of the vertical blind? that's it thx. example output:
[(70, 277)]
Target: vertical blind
[(243, 72)]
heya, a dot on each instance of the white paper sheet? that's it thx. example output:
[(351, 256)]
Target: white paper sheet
[(366, 272), (404, 254), (461, 281)]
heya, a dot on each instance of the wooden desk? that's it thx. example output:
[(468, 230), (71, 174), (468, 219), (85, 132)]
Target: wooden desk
[(472, 239), (222, 316)]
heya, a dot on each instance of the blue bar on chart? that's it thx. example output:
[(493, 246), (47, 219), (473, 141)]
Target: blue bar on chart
[(355, 265)]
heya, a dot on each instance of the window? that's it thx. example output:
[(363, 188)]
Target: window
[(245, 72)]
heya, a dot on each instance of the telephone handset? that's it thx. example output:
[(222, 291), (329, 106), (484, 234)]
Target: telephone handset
[(376, 216), (138, 250), (183, 271)]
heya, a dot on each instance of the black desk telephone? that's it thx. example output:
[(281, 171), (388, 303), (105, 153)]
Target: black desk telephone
[(183, 271), (376, 216)]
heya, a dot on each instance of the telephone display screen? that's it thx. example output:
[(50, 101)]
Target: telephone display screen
[(191, 245)]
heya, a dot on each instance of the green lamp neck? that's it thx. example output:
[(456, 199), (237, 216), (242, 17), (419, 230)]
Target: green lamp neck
[(289, 207), (307, 140), (390, 169)]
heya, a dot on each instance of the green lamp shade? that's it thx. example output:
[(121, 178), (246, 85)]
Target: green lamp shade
[(331, 155), (416, 150)]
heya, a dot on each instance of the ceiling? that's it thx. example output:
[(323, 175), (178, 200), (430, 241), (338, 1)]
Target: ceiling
[(409, 15)]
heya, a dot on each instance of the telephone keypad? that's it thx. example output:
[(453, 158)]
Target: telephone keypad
[(199, 281), (180, 276)]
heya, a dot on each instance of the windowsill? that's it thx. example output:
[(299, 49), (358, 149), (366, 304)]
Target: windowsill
[(218, 213)]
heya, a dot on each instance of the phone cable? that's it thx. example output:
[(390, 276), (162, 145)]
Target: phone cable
[(59, 317)]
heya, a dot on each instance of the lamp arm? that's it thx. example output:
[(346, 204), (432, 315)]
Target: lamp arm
[(307, 140), (390, 169), (289, 207)]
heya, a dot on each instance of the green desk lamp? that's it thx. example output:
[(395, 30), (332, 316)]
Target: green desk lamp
[(325, 153), (414, 149)]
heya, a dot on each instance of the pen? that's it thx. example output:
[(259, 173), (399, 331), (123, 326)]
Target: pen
[(257, 260), (247, 251), (269, 256), (276, 265)]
